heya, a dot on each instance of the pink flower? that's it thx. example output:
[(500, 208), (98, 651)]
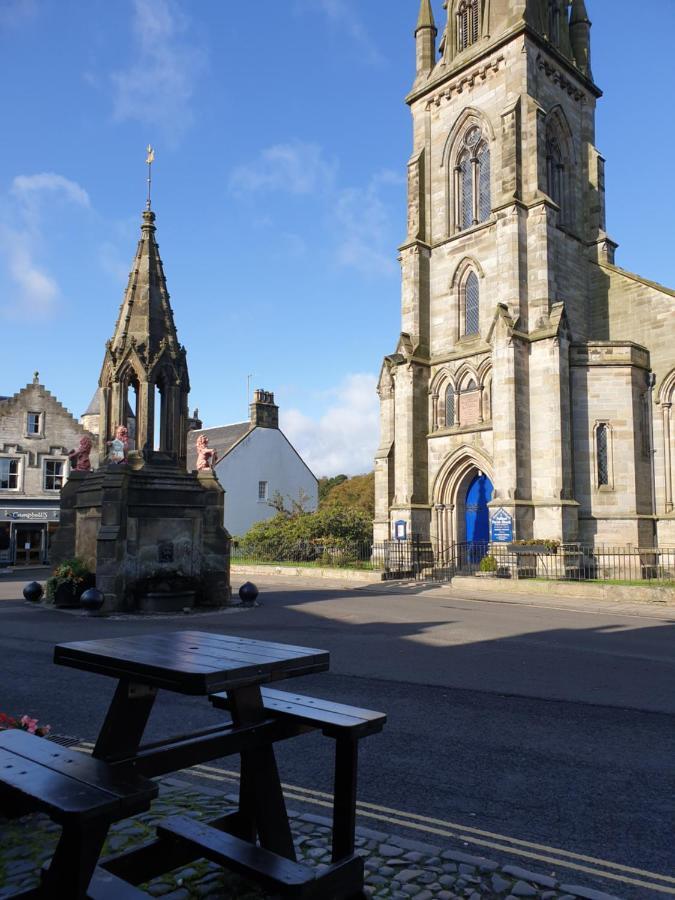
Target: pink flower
[(30, 725)]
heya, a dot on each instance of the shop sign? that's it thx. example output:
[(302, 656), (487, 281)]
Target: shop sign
[(30, 515)]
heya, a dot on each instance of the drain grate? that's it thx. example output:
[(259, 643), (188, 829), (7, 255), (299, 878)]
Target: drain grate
[(63, 740)]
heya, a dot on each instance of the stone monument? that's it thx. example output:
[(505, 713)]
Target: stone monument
[(141, 519)]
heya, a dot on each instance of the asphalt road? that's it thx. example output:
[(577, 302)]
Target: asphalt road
[(515, 726)]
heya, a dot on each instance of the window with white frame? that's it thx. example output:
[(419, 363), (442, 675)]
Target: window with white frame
[(53, 473), (34, 423), (263, 490), (472, 180), (9, 474)]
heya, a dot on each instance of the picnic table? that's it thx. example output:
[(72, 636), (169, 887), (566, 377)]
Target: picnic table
[(233, 672)]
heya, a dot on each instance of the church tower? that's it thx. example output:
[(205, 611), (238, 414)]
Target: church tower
[(489, 401), (144, 383)]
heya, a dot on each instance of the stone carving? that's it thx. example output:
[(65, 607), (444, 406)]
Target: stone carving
[(119, 447), (79, 458), (206, 458)]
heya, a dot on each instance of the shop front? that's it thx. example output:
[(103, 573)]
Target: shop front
[(25, 534)]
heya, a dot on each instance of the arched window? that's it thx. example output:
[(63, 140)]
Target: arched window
[(555, 171), (471, 304), (468, 14), (449, 406), (602, 453), (472, 181)]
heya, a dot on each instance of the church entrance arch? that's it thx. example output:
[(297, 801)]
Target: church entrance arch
[(462, 490)]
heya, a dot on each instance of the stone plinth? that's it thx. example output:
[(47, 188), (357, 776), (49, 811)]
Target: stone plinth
[(130, 524)]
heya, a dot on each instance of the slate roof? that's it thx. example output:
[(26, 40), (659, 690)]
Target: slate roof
[(221, 439), (94, 407)]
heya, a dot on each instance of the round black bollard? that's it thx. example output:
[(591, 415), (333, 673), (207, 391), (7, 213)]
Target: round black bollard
[(92, 600), (33, 591), (248, 593)]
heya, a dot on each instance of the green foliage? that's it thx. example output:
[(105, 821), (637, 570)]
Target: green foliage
[(356, 493), (551, 544), (70, 571), (488, 564), (326, 485)]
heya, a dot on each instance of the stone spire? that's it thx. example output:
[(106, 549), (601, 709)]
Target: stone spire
[(580, 36), (145, 315), (145, 366), (425, 39)]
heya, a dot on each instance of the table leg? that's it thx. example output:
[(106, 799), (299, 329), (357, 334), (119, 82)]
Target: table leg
[(261, 800), (125, 720), (344, 798), (74, 861)]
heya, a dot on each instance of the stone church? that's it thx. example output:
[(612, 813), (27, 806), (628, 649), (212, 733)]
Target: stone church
[(533, 376)]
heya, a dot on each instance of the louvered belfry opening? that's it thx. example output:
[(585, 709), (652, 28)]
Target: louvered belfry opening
[(468, 15)]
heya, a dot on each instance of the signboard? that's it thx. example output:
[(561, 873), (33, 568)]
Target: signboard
[(501, 527), (30, 515), (400, 530)]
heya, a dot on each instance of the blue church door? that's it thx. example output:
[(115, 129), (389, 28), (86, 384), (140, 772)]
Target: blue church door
[(477, 515)]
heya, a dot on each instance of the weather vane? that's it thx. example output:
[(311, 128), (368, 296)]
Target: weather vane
[(150, 160)]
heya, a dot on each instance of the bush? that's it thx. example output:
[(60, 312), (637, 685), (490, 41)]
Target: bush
[(73, 572), (488, 564)]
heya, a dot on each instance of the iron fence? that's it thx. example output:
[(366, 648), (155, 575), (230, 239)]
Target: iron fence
[(567, 562), (419, 559)]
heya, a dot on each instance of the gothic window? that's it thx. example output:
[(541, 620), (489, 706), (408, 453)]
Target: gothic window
[(471, 304), (472, 182), (449, 406), (468, 15), (602, 454), (555, 168)]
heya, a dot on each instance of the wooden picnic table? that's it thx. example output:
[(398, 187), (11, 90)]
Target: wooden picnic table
[(255, 840)]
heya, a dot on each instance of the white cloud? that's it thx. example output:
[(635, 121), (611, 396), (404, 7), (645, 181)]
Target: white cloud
[(295, 167), (21, 233), (342, 14), (344, 438), (36, 290), (157, 88), (366, 227)]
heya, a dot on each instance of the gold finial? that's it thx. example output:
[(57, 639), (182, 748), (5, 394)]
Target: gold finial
[(150, 158)]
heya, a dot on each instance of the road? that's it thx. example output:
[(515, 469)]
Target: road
[(531, 731)]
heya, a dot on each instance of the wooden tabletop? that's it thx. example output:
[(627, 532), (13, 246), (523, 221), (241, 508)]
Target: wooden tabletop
[(192, 662)]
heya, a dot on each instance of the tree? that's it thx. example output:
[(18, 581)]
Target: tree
[(356, 493)]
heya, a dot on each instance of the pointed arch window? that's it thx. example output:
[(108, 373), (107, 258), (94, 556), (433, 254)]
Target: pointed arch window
[(468, 26), (450, 406), (472, 180), (471, 304), (555, 172), (602, 453), (554, 22)]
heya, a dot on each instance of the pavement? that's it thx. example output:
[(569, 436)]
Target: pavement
[(538, 734)]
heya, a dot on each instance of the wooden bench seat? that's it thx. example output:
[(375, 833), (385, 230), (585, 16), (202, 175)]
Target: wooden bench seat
[(346, 725), (334, 719), (272, 872), (82, 794)]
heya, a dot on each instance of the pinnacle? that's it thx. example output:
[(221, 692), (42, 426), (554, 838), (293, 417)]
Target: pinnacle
[(579, 12), (426, 16)]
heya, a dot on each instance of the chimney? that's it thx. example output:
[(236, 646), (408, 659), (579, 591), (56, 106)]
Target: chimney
[(264, 411)]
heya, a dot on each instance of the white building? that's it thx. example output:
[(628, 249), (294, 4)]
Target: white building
[(256, 464)]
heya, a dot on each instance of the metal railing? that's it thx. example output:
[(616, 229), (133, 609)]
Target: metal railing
[(567, 562), (417, 558)]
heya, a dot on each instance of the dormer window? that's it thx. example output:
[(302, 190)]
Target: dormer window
[(467, 24)]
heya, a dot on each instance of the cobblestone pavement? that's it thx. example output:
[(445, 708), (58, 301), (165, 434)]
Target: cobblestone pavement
[(395, 867)]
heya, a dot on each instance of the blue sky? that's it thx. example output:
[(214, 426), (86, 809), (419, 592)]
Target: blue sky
[(281, 139)]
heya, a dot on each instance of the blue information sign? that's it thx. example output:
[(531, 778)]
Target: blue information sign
[(501, 527)]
